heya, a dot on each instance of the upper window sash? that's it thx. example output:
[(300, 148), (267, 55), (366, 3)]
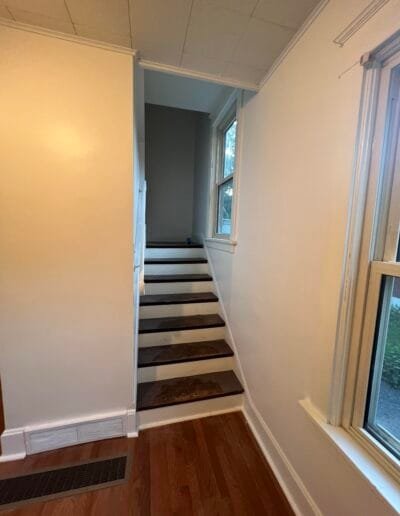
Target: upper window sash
[(221, 132)]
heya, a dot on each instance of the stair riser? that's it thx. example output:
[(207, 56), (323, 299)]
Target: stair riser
[(179, 287), (148, 312), (177, 268), (165, 415), (179, 337), (174, 253), (164, 372)]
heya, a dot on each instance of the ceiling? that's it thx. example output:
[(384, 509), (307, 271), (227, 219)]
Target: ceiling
[(229, 39), (184, 93)]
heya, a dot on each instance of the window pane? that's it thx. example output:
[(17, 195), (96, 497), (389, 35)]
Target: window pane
[(225, 194), (229, 150), (383, 411)]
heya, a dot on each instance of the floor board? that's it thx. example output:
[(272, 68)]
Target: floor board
[(205, 467)]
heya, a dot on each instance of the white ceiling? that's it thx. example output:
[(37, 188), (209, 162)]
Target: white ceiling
[(181, 92), (230, 39)]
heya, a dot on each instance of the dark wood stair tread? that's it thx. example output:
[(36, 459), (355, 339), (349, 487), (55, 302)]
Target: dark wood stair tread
[(169, 261), (186, 352), (175, 278), (177, 299), (172, 245), (188, 322), (187, 389)]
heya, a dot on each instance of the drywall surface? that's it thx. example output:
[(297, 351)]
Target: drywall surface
[(66, 229), (201, 187), (184, 93), (281, 286), (170, 154)]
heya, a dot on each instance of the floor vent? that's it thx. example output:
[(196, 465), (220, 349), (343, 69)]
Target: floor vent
[(63, 481)]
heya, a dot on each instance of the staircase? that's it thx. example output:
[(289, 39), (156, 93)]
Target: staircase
[(185, 366)]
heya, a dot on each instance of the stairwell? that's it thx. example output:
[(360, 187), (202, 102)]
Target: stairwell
[(185, 364)]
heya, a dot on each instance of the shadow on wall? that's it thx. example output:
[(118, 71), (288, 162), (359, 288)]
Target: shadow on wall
[(177, 172)]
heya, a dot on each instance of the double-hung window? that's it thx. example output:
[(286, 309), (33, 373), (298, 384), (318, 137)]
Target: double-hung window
[(371, 405), (226, 172), (225, 136)]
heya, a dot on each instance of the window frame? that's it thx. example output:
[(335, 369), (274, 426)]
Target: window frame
[(230, 111), (371, 247)]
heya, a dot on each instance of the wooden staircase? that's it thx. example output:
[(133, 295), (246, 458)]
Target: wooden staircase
[(185, 366)]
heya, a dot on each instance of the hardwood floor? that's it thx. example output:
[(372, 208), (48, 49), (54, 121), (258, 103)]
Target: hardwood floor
[(205, 467)]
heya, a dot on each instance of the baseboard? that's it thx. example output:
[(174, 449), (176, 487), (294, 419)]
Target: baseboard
[(19, 442), (295, 491)]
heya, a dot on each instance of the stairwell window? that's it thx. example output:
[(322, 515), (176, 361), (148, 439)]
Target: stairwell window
[(225, 167), (370, 405), (225, 180)]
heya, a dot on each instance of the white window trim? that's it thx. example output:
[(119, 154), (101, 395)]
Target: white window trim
[(214, 240), (346, 396)]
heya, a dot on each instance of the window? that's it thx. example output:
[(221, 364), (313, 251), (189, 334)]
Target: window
[(370, 407), (225, 165)]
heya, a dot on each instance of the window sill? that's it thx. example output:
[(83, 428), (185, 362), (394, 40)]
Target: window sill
[(221, 244), (381, 481)]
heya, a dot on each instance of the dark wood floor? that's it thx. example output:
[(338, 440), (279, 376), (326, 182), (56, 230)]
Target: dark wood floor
[(206, 467)]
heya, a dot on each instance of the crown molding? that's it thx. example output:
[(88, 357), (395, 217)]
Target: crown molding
[(67, 37), (360, 20), (293, 42), (192, 74)]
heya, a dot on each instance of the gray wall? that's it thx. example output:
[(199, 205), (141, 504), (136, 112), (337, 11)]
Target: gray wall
[(175, 165), (201, 177)]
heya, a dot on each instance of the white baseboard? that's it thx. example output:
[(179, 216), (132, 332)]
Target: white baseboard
[(295, 491), (19, 442), (12, 445)]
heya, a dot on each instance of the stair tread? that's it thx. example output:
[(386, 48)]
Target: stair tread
[(175, 278), (186, 352), (187, 389), (172, 245), (172, 261), (176, 299), (188, 322)]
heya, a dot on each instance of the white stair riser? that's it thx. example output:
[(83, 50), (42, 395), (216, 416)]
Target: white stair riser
[(177, 268), (148, 312), (179, 287), (186, 411), (163, 372), (164, 338), (174, 252)]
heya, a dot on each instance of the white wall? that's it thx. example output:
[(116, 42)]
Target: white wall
[(281, 287), (184, 93), (66, 228), (170, 153)]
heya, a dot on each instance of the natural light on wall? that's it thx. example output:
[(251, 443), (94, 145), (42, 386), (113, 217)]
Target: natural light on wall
[(67, 141)]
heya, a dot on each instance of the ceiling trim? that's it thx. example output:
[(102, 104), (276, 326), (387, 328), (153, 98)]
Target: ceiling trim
[(293, 42), (67, 37), (192, 74)]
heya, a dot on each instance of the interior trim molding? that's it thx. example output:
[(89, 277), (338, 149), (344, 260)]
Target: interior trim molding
[(220, 244), (293, 42), (67, 37), (19, 442), (193, 74), (360, 20), (295, 491)]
